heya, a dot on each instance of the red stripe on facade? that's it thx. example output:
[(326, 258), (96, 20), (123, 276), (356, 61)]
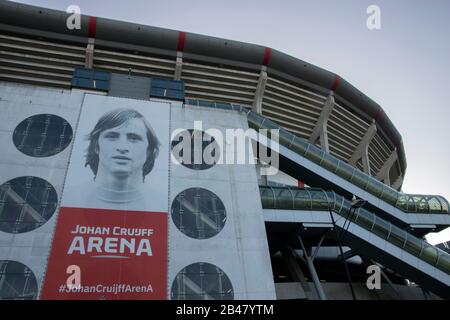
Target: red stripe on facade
[(300, 184), (378, 115), (267, 56), (181, 41), (92, 26), (336, 81)]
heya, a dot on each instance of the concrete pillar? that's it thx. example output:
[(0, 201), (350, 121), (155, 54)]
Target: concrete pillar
[(178, 66), (320, 130), (89, 60), (362, 151), (259, 93)]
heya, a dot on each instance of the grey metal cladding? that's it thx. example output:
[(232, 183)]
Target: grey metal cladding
[(224, 49), (296, 67), (129, 86), (33, 17), (135, 34)]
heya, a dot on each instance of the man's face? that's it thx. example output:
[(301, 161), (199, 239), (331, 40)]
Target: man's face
[(123, 149)]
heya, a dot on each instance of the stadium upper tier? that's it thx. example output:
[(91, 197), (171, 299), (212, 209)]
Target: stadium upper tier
[(37, 47)]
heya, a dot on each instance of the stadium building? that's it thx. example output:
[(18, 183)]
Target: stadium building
[(95, 202)]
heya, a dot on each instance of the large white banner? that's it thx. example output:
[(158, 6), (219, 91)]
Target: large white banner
[(112, 224)]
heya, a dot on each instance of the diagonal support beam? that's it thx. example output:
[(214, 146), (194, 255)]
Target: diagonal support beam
[(312, 271), (398, 183), (320, 130), (260, 88), (348, 254), (294, 269), (362, 151), (383, 174)]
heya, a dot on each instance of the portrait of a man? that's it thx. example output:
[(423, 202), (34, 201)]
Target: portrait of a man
[(122, 151), (118, 150)]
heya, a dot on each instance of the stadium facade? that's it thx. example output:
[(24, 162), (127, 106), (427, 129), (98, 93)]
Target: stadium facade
[(93, 120)]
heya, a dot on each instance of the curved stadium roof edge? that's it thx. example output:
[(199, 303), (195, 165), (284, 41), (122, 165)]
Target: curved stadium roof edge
[(165, 42)]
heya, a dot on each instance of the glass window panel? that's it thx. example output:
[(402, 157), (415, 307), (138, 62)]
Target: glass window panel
[(429, 254), (329, 162), (381, 228), (300, 146), (397, 236), (360, 179), (365, 219), (345, 170), (444, 262), (314, 154), (413, 245)]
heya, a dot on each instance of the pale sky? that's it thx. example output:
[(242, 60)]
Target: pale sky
[(405, 66)]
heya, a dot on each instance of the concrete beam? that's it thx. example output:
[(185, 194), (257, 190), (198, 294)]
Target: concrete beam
[(320, 130), (383, 174), (362, 151), (89, 60), (259, 93), (178, 66), (398, 182)]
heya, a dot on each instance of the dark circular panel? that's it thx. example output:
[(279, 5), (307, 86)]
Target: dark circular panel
[(42, 135), (198, 213), (26, 203), (17, 281), (195, 149), (201, 281)]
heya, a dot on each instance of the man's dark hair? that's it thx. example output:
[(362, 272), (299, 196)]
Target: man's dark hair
[(115, 118)]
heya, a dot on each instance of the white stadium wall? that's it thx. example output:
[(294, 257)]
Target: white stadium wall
[(232, 254)]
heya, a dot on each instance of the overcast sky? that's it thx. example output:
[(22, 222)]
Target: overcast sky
[(405, 66)]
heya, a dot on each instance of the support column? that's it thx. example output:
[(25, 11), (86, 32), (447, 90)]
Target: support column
[(295, 271), (383, 174), (320, 130), (178, 66), (312, 270), (259, 94), (89, 59), (362, 151)]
